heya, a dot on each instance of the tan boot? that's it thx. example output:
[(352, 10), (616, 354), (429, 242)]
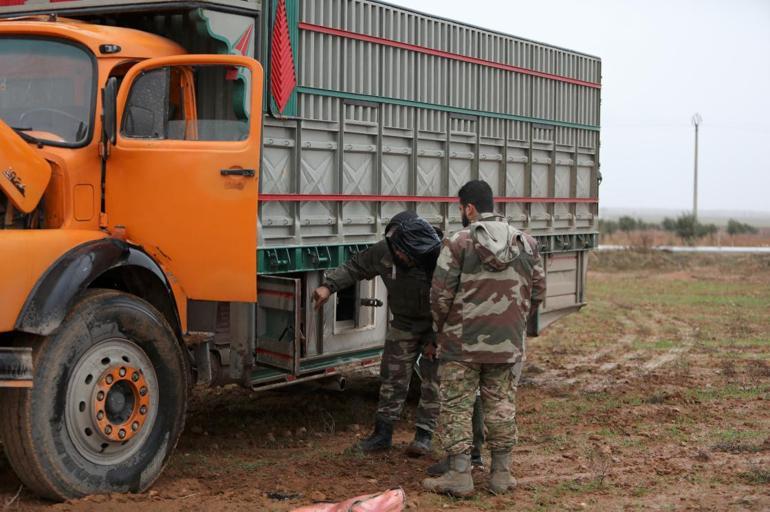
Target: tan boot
[(501, 480), (458, 481)]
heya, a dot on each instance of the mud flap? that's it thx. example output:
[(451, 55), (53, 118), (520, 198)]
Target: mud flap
[(15, 367)]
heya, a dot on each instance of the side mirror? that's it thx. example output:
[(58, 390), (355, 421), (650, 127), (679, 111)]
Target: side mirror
[(110, 110)]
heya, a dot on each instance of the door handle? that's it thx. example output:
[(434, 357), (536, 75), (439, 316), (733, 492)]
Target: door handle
[(248, 173)]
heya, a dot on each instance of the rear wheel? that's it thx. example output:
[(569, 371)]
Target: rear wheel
[(108, 402)]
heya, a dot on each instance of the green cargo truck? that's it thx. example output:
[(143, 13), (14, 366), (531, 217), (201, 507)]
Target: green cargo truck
[(368, 109)]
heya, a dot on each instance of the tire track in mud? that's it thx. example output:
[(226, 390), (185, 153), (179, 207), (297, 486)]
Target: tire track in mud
[(593, 372)]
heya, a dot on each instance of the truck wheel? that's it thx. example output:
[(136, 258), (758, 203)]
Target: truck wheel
[(108, 403)]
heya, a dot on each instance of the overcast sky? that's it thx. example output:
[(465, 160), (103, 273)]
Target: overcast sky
[(662, 61)]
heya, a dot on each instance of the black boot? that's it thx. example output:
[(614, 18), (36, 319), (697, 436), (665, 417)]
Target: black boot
[(439, 468), (421, 444), (381, 438)]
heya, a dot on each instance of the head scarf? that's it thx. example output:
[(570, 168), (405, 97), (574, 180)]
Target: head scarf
[(412, 235)]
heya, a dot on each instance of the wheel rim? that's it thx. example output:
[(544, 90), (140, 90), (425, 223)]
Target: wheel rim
[(112, 401)]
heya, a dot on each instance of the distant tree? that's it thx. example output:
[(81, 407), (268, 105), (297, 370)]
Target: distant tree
[(685, 227), (627, 224), (669, 224), (739, 228), (689, 229), (702, 230), (641, 225), (607, 227)]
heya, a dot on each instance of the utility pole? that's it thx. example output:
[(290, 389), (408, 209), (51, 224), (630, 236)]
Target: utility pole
[(696, 122)]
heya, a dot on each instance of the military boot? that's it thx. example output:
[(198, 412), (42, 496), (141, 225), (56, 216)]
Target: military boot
[(442, 466), (421, 444), (439, 468), (458, 481), (501, 480), (381, 438)]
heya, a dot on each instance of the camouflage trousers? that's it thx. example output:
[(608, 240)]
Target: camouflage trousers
[(459, 382), (402, 348)]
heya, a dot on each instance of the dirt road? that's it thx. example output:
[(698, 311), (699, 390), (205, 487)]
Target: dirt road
[(655, 397)]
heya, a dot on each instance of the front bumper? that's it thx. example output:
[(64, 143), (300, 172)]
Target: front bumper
[(15, 367)]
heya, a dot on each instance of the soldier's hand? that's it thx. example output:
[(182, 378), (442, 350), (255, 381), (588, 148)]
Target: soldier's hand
[(320, 296)]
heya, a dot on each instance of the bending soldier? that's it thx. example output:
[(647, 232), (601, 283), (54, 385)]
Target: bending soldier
[(405, 261)]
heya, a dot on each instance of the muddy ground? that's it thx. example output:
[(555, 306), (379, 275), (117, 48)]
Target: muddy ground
[(655, 397)]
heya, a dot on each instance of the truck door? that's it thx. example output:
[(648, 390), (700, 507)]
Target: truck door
[(279, 323), (182, 177)]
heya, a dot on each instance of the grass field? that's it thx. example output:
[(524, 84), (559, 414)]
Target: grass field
[(655, 397)]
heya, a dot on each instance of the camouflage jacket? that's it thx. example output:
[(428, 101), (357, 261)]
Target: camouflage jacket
[(486, 279), (408, 289)]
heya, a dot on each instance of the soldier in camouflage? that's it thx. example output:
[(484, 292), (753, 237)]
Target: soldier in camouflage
[(488, 279), (405, 261)]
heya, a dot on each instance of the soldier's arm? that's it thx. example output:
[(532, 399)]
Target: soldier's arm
[(446, 280), (538, 277), (361, 266)]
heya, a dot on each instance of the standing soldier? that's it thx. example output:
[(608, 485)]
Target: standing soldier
[(488, 279), (405, 260)]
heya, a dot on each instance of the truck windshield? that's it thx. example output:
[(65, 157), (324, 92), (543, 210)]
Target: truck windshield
[(46, 90)]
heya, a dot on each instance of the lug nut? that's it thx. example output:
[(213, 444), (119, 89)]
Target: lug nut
[(122, 434), (108, 429), (135, 377), (100, 415), (135, 426), (122, 372), (109, 379), (143, 391), (143, 409), (100, 395)]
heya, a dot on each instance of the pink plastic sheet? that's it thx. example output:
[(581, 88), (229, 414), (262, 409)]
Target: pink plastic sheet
[(393, 500)]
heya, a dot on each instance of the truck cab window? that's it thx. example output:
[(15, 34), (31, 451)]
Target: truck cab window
[(189, 103), (47, 89)]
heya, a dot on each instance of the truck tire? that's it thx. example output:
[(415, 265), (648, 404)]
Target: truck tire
[(108, 402)]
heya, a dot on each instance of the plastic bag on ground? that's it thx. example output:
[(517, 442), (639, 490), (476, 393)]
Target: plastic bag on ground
[(393, 500)]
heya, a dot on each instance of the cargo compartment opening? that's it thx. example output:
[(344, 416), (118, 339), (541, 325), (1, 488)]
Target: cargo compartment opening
[(346, 306), (349, 314)]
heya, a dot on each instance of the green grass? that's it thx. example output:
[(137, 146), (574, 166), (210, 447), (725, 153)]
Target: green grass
[(556, 443), (662, 345), (757, 475), (546, 497), (739, 435), (731, 391), (758, 342), (759, 356), (739, 441), (677, 434)]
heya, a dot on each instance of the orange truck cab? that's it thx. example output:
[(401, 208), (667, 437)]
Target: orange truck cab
[(124, 162)]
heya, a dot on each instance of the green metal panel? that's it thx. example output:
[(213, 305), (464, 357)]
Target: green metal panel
[(442, 108), (283, 260)]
